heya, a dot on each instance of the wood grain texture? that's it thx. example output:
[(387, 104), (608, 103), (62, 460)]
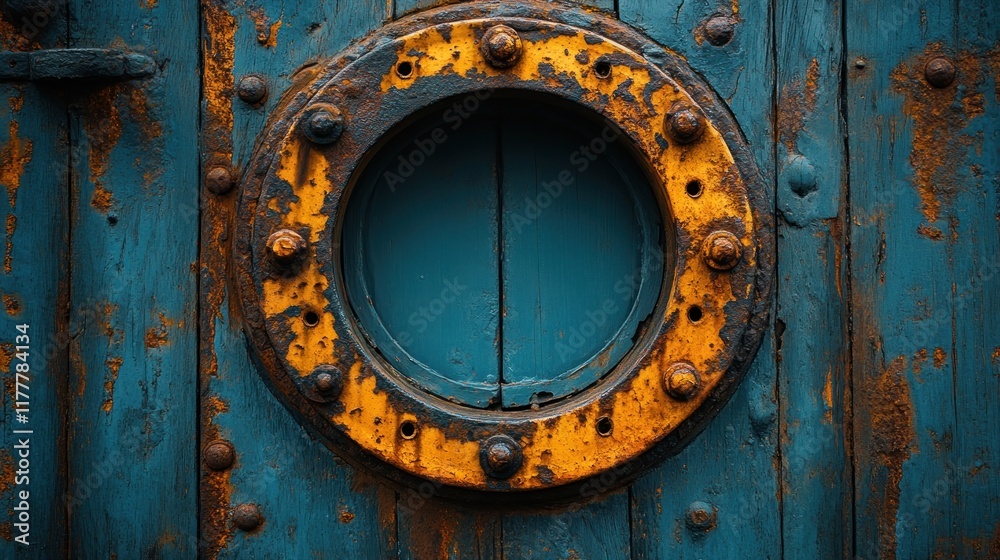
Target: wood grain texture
[(811, 303), (421, 239), (732, 467), (34, 178), (924, 264), (597, 530), (581, 236), (312, 504), (132, 431)]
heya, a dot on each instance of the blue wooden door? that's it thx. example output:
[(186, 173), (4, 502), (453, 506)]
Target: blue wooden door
[(139, 426)]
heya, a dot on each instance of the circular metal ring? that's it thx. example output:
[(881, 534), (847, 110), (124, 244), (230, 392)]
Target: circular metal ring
[(297, 184)]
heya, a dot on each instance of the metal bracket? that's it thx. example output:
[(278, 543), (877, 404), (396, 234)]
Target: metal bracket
[(74, 64)]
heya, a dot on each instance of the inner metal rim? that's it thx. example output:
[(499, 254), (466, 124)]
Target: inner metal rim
[(647, 331)]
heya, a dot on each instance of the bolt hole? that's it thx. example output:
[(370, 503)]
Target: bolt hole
[(694, 188), (310, 318), (112, 220), (604, 426), (408, 429), (404, 69), (695, 314), (603, 69)]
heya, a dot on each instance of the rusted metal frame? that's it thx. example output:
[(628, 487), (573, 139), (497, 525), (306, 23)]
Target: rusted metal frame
[(761, 286)]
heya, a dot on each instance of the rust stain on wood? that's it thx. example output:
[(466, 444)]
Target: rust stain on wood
[(14, 157), (938, 116), (11, 304), (6, 472), (267, 31), (114, 365), (218, 84), (216, 487), (940, 357), (892, 440), (102, 200), (157, 336), (103, 126), (12, 38), (930, 232), (432, 532), (797, 101)]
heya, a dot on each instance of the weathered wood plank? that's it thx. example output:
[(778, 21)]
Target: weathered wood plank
[(312, 504), (433, 530), (812, 370), (34, 286), (132, 436), (595, 530), (924, 266), (729, 475)]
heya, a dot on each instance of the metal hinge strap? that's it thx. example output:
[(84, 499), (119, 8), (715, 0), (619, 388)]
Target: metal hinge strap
[(74, 64)]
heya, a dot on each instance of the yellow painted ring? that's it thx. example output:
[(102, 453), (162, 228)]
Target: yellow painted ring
[(298, 185)]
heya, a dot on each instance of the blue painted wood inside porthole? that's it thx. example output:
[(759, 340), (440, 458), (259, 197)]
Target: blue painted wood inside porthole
[(503, 257)]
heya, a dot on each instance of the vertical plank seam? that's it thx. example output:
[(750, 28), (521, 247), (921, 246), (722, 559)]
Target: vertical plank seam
[(66, 413), (199, 384), (773, 23), (848, 398)]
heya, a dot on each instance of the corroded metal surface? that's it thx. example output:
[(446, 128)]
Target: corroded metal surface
[(298, 319)]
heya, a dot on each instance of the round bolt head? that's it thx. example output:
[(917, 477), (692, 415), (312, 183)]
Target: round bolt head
[(722, 250), (860, 63), (719, 30), (328, 383), (701, 516), (939, 72), (500, 456), (681, 381), (501, 46), (286, 246), (220, 180), (322, 123), (684, 125), (247, 517), (219, 455), (252, 89)]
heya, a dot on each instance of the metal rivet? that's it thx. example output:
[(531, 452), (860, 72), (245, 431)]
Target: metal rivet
[(722, 250), (939, 72), (328, 383), (701, 517), (860, 63), (252, 89), (220, 180), (323, 124), (719, 30), (683, 124), (681, 381), (500, 456), (286, 245), (219, 455), (247, 517), (501, 46)]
